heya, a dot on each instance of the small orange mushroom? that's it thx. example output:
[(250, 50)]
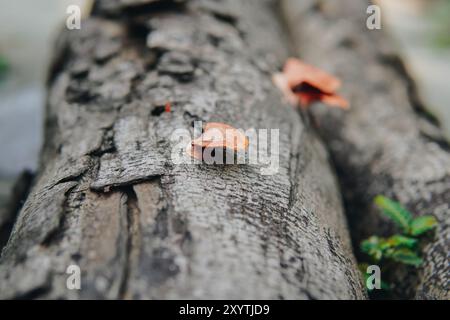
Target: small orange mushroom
[(218, 135), (304, 84), (298, 72), (307, 94)]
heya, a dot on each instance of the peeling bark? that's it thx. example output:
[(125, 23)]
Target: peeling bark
[(387, 143), (109, 199)]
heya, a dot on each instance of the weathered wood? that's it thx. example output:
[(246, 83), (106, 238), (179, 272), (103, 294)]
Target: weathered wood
[(386, 144), (109, 199)]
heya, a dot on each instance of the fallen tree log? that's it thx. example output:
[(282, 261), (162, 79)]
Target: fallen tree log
[(386, 144), (109, 199)]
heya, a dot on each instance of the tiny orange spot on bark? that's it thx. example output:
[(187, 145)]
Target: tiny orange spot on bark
[(168, 106)]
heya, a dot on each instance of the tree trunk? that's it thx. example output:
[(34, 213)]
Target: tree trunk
[(109, 199), (386, 144)]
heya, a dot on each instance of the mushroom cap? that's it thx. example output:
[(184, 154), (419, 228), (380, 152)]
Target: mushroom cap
[(220, 135), (298, 72)]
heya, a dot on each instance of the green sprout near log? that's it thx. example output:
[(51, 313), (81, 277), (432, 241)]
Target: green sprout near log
[(402, 248)]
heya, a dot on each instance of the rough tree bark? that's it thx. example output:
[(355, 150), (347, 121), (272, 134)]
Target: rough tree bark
[(108, 198), (386, 144)]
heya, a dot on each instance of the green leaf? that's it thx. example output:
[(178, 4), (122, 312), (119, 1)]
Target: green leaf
[(384, 244), (401, 241), (370, 243), (422, 224), (372, 246), (405, 256), (395, 211)]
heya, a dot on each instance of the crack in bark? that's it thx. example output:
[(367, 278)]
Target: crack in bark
[(71, 178), (133, 239), (56, 234), (107, 143), (115, 11)]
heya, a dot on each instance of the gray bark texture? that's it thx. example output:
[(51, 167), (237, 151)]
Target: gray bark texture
[(386, 144), (109, 199)]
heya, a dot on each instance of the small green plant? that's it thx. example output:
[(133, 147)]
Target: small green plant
[(402, 248), (403, 218), (397, 248)]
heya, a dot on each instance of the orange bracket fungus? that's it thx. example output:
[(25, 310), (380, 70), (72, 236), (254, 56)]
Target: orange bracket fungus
[(305, 84), (218, 135)]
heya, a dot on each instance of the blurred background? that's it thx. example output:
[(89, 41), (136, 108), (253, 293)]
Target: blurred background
[(422, 31), (27, 30)]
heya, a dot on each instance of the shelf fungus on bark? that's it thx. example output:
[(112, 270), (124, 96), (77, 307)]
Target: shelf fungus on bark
[(218, 137), (304, 84)]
